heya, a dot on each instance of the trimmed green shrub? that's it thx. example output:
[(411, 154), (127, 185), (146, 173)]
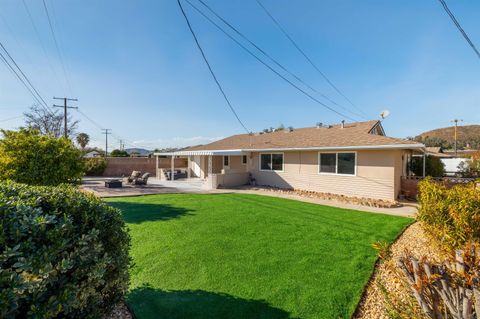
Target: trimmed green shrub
[(450, 215), (63, 253), (31, 158), (95, 166)]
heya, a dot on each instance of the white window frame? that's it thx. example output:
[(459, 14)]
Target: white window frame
[(336, 163), (223, 161), (246, 158), (271, 164)]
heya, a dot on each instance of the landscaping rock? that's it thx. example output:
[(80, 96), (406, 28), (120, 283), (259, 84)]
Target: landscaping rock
[(388, 280), (120, 312)]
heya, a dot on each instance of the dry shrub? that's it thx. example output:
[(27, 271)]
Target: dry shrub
[(450, 215)]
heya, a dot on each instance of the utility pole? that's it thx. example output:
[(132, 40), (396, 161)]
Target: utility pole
[(106, 132), (121, 145), (456, 124), (65, 107)]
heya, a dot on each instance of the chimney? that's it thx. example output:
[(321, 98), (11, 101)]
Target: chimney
[(343, 123)]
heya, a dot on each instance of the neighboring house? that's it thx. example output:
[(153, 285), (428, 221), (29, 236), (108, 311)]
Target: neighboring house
[(354, 159), (92, 154)]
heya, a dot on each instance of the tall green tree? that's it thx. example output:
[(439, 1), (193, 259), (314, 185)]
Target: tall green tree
[(82, 140), (26, 156)]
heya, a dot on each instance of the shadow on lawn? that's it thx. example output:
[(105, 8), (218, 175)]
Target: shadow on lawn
[(148, 302), (139, 212)]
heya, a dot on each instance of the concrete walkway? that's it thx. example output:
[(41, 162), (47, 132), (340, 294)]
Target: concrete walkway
[(155, 186)]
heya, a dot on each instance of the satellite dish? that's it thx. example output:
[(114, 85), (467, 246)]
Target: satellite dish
[(384, 114)]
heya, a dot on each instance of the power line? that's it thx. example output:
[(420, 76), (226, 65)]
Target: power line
[(210, 68), (306, 57), (33, 91), (269, 67), (114, 135), (274, 60), (106, 132), (65, 108), (11, 118), (459, 27), (57, 46), (41, 42)]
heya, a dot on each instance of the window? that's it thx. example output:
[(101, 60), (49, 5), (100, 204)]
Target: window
[(337, 163), (226, 160), (346, 163), (328, 163), (244, 159), (271, 162)]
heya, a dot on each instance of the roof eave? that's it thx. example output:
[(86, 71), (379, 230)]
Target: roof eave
[(233, 152)]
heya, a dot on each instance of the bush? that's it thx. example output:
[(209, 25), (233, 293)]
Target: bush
[(63, 253), (31, 158), (95, 166), (119, 153), (433, 166), (450, 215)]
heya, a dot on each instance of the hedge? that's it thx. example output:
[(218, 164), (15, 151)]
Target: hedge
[(95, 166), (63, 253), (450, 215)]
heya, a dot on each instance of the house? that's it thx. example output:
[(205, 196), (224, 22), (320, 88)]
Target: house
[(354, 159), (92, 154)]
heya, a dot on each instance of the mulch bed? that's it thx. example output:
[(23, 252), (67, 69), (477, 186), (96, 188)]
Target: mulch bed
[(386, 289)]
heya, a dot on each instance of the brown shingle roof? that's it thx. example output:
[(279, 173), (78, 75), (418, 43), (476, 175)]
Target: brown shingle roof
[(353, 134)]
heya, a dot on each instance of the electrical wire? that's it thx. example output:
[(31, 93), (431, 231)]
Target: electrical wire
[(269, 67), (459, 27), (307, 58), (33, 91), (275, 61), (210, 69), (41, 42), (11, 118), (57, 46)]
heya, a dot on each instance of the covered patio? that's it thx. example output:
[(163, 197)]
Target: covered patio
[(214, 168)]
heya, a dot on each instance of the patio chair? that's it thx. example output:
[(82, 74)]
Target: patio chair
[(135, 175), (142, 180)]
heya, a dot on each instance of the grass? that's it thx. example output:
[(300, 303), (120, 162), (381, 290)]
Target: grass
[(249, 256)]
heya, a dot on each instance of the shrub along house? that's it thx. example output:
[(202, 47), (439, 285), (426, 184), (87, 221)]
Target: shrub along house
[(354, 159)]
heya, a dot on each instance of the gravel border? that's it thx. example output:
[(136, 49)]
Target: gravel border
[(387, 279), (121, 311)]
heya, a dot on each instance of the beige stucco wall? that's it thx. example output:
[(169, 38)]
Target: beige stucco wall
[(377, 175), (217, 165)]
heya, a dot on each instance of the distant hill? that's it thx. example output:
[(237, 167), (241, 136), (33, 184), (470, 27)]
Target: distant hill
[(468, 135), (138, 151)]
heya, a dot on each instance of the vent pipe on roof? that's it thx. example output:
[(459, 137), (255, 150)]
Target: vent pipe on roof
[(343, 123)]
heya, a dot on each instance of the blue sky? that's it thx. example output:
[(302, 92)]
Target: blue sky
[(135, 68)]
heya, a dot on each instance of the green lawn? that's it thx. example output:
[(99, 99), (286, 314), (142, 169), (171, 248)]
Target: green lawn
[(249, 256)]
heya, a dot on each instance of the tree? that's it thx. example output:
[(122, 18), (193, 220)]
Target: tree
[(82, 140), (119, 153), (48, 122), (28, 157)]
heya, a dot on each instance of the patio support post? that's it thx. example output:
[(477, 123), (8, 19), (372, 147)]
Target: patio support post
[(424, 163), (210, 165), (189, 164), (156, 167), (172, 173)]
